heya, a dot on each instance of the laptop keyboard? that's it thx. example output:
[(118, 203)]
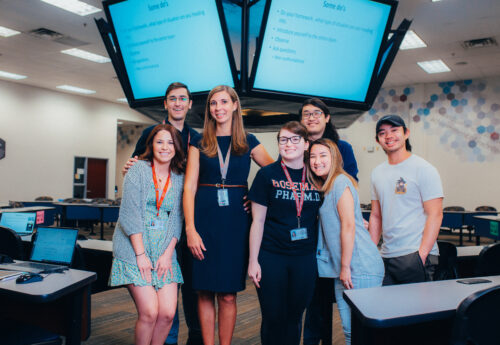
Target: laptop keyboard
[(37, 265)]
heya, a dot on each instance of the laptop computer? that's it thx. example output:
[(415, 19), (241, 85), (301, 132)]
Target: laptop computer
[(53, 250), (23, 223)]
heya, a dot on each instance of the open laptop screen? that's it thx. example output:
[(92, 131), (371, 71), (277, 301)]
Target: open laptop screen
[(54, 245), (21, 222)]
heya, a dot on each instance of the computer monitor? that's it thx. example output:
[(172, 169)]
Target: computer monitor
[(161, 42), (328, 49)]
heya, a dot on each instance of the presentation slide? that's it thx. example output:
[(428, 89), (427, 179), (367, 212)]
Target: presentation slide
[(325, 48), (166, 41)]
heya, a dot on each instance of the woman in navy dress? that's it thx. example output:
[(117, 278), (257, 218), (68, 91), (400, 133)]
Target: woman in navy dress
[(217, 224)]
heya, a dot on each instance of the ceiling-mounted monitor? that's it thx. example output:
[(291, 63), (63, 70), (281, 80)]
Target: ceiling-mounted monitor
[(160, 42), (321, 48)]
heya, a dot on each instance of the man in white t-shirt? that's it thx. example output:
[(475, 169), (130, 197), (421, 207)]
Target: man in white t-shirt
[(407, 207)]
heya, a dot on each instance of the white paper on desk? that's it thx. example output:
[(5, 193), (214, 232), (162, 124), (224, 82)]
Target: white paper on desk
[(80, 171)]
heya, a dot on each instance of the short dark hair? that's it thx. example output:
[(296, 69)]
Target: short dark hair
[(407, 141), (330, 130), (177, 85), (295, 127), (178, 162)]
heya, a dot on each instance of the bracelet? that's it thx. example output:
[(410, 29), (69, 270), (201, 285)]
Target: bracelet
[(136, 255)]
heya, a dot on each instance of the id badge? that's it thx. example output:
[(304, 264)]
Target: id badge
[(157, 224), (298, 234), (223, 197)]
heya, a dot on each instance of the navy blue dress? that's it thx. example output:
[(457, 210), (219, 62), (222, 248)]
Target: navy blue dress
[(223, 229)]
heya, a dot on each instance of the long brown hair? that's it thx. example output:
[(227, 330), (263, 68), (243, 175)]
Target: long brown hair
[(336, 167), (178, 163), (239, 143)]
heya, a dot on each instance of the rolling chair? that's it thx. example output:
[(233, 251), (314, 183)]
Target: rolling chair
[(475, 321), (488, 263), (11, 244), (447, 265), (486, 209)]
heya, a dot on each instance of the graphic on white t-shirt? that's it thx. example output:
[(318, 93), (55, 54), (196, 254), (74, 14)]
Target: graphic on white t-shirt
[(400, 186)]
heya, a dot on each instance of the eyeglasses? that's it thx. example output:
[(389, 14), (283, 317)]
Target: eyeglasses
[(294, 140), (181, 99), (316, 114)]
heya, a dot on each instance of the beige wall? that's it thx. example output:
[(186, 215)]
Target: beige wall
[(446, 135), (44, 130)]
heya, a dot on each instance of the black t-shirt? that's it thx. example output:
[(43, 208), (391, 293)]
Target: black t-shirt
[(271, 188)]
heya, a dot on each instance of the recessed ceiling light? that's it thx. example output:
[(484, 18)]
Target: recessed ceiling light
[(435, 0), (434, 66), (75, 6), (75, 89), (412, 41), (6, 32), (122, 100), (4, 74), (86, 55)]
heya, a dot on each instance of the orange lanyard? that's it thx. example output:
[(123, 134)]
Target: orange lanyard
[(158, 203)]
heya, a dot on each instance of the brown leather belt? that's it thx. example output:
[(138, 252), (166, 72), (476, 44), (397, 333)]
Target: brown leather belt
[(220, 185)]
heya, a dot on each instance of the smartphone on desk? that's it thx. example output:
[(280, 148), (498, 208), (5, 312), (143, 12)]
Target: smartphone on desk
[(473, 281)]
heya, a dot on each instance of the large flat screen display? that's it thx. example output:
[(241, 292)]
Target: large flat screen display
[(322, 48), (162, 41)]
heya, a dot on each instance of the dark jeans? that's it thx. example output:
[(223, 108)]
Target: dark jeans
[(286, 289), (318, 320), (409, 269), (189, 296)]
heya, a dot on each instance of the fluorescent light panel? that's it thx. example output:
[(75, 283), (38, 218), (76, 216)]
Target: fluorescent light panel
[(412, 41), (75, 89), (75, 6), (9, 75), (435, 0), (434, 66), (82, 54), (6, 32)]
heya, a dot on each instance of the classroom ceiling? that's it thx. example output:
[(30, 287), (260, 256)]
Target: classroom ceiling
[(443, 25)]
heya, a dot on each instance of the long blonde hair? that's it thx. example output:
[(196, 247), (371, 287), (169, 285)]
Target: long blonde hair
[(336, 168), (239, 143)]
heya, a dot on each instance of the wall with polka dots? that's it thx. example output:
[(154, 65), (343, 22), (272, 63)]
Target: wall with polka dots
[(454, 125)]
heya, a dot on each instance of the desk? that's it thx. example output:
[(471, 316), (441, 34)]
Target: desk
[(404, 313), (97, 257), (98, 212), (60, 303), (487, 225), (49, 216), (4, 205)]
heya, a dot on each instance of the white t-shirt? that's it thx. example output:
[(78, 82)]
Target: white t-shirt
[(401, 190)]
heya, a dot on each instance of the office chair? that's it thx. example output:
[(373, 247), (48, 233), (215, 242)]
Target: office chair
[(44, 198), (488, 263), (486, 209), (475, 321), (11, 244), (447, 265)]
